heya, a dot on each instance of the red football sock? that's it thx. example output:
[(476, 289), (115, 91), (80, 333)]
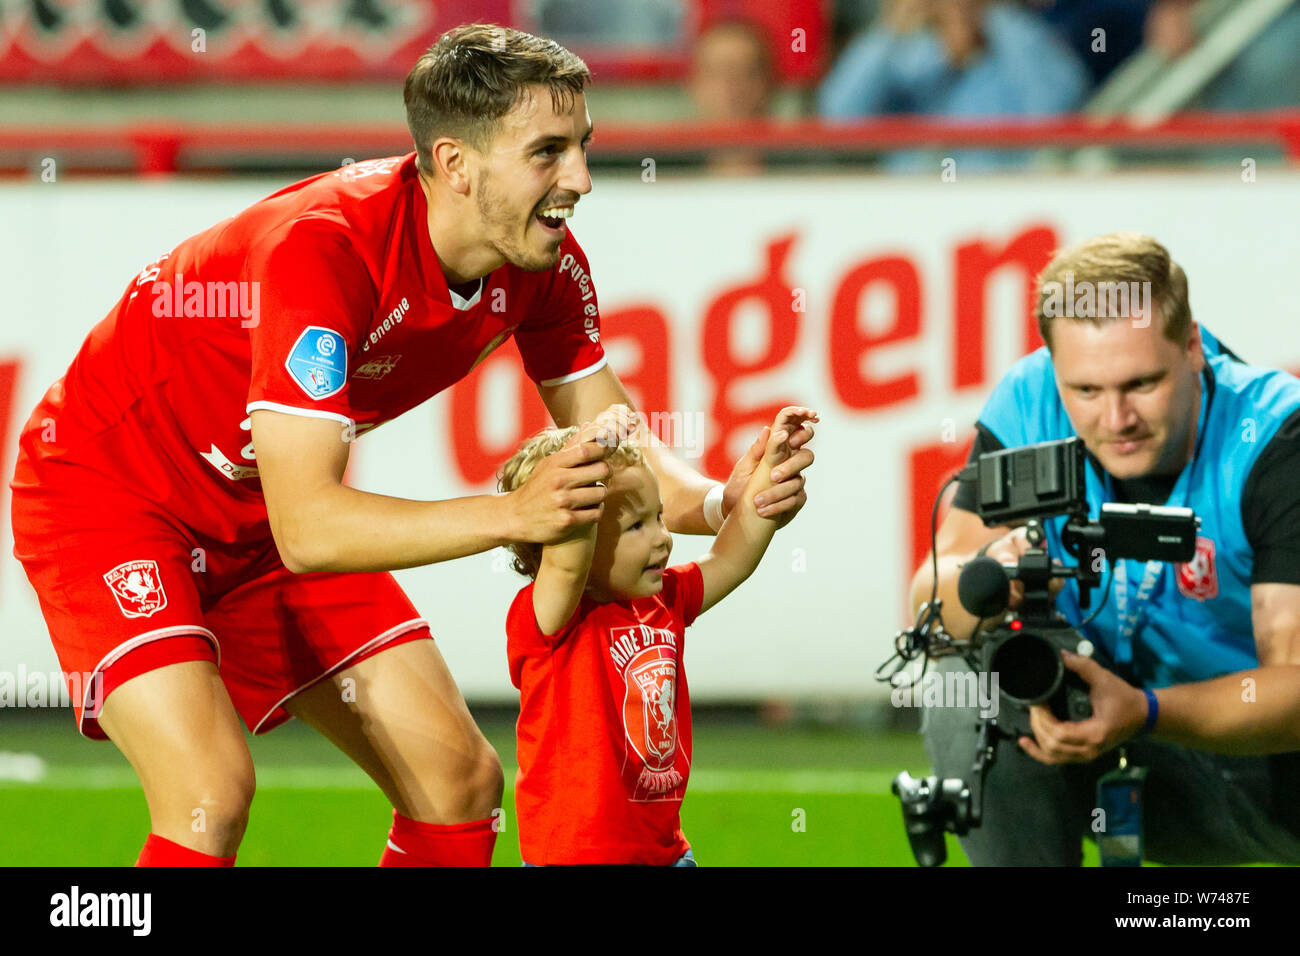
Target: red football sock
[(411, 843), (159, 851)]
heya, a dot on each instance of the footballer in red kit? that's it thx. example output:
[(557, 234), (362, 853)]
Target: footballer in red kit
[(178, 501), (355, 324)]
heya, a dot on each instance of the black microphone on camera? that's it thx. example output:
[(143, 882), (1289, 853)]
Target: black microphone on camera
[(983, 587)]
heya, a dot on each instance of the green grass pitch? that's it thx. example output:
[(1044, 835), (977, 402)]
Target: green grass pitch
[(757, 797)]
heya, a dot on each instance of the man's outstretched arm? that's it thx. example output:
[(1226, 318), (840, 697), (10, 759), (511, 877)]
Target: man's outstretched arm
[(320, 524), (1251, 712), (1255, 711), (683, 488)]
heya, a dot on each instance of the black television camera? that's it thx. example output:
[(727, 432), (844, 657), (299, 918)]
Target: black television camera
[(1023, 650)]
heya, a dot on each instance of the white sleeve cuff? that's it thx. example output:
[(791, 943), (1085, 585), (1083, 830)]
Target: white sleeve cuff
[(303, 412), (574, 376)]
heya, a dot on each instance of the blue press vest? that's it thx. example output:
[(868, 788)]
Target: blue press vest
[(1171, 638)]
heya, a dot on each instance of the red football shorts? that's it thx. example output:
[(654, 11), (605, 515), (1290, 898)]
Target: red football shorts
[(126, 589)]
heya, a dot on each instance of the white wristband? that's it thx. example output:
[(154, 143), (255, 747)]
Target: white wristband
[(713, 508)]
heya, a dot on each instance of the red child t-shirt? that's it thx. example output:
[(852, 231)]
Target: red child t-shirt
[(604, 727)]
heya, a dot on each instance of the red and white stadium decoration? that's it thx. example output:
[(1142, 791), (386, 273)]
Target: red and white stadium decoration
[(133, 41), (152, 41)]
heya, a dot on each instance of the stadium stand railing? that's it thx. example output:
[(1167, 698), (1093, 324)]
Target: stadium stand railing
[(161, 149)]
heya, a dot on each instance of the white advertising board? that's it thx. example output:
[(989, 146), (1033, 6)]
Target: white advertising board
[(890, 305)]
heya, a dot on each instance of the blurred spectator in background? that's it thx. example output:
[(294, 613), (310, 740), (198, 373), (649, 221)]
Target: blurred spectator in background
[(733, 79), (1265, 76), (1171, 28), (848, 19), (956, 59), (732, 76), (1075, 21)]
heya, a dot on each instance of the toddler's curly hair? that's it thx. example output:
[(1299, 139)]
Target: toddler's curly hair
[(528, 557)]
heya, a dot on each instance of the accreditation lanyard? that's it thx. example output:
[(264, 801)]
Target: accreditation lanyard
[(1129, 613), (1126, 618)]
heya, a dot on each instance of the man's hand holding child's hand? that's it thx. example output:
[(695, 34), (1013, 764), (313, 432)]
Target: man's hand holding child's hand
[(611, 428)]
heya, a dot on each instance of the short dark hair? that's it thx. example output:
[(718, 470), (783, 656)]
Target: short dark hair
[(474, 75)]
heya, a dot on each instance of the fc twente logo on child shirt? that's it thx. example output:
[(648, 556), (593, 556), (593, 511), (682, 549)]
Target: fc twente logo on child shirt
[(646, 658)]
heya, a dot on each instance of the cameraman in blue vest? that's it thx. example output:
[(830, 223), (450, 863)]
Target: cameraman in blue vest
[(1202, 676)]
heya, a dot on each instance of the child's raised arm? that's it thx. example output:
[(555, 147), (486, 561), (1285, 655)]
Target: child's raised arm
[(744, 536), (562, 571)]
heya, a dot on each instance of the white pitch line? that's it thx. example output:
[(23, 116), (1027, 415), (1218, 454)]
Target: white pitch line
[(747, 780)]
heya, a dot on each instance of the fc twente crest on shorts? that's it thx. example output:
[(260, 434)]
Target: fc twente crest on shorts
[(1199, 578), (137, 587)]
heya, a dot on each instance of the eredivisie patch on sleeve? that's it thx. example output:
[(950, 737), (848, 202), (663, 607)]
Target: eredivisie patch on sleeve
[(318, 362)]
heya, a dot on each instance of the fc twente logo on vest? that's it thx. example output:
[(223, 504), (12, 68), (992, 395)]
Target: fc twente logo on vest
[(1199, 578)]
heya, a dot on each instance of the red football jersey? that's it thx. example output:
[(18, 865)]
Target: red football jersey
[(326, 299), (604, 727)]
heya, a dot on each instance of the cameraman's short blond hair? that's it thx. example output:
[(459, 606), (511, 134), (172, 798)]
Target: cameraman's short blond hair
[(1117, 257), (516, 471)]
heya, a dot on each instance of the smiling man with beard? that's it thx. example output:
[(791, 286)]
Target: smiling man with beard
[(381, 284)]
